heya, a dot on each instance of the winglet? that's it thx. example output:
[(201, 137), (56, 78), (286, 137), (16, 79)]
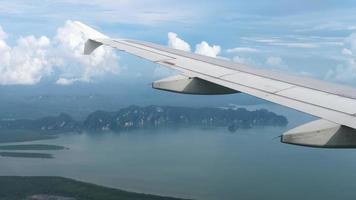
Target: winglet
[(93, 37), (90, 45)]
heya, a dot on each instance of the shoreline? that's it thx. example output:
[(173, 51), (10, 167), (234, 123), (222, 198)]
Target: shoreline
[(27, 186)]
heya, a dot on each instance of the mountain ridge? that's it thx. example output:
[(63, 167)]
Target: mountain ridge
[(136, 117)]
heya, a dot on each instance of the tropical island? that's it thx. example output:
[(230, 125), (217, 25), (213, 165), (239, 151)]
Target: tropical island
[(126, 119), (150, 117)]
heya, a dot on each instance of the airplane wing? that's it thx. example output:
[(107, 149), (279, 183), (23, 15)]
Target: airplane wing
[(334, 104)]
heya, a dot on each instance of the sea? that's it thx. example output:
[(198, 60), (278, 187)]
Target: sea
[(212, 164)]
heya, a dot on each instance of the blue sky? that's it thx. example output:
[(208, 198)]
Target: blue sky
[(306, 37)]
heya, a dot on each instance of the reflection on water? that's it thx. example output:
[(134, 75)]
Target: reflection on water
[(202, 164)]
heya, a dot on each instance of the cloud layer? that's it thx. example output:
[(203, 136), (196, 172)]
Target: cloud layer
[(33, 58)]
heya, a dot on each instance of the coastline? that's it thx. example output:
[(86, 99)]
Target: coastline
[(27, 186)]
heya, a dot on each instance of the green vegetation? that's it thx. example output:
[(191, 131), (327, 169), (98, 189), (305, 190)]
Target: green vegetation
[(135, 117), (14, 187), (26, 155), (37, 147), (23, 136)]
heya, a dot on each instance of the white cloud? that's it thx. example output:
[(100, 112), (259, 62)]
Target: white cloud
[(245, 60), (241, 60), (346, 51), (242, 50), (73, 65), (351, 42), (346, 72), (205, 49), (33, 58), (202, 48), (296, 45), (276, 62), (176, 43), (296, 41), (25, 63), (343, 73), (261, 40), (65, 81)]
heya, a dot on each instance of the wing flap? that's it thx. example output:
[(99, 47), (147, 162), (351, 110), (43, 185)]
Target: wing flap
[(322, 99)]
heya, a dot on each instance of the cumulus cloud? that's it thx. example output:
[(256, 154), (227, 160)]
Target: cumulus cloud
[(346, 72), (202, 48), (25, 63), (33, 58), (176, 43), (343, 73), (73, 65), (205, 49)]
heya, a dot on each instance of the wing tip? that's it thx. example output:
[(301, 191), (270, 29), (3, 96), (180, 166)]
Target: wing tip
[(93, 36), (89, 31)]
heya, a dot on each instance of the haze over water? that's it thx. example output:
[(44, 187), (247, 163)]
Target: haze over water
[(199, 164)]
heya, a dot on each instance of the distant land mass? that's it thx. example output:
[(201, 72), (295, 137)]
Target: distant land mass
[(26, 155), (35, 147), (58, 188), (149, 117)]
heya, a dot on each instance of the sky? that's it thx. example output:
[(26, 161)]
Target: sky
[(39, 44)]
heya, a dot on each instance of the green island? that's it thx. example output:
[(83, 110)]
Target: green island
[(26, 155), (37, 147), (16, 187)]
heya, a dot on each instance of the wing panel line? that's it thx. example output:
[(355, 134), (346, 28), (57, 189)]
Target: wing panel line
[(197, 72), (240, 70)]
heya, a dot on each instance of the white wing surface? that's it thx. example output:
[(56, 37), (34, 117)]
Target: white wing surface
[(334, 104)]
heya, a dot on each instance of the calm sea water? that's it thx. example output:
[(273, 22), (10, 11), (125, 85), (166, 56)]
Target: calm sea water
[(200, 164)]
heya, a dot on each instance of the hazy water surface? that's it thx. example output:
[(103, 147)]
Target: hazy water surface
[(203, 164), (197, 163)]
